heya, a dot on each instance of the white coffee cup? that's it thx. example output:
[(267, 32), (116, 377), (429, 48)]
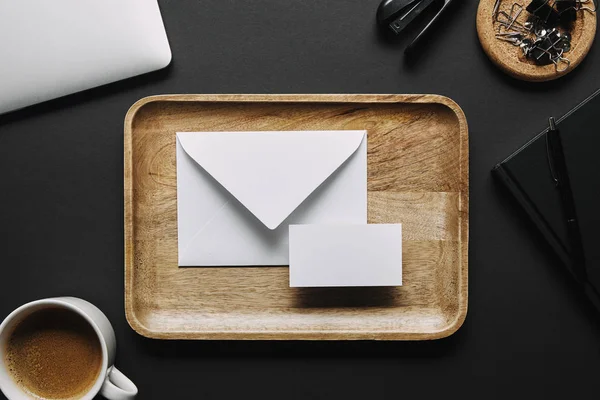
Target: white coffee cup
[(111, 382)]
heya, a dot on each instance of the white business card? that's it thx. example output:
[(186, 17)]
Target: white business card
[(345, 255)]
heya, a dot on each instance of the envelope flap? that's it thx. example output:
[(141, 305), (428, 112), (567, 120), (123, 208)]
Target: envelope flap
[(271, 173)]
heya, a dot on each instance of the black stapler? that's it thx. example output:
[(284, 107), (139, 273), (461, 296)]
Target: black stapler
[(396, 15)]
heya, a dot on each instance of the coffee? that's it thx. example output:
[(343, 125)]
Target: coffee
[(54, 354)]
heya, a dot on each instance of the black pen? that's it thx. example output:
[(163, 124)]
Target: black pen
[(564, 187)]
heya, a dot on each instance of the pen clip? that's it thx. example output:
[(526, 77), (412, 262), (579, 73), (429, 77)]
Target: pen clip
[(550, 158)]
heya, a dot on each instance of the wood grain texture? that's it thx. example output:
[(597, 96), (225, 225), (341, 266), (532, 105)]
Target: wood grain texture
[(510, 58), (417, 175)]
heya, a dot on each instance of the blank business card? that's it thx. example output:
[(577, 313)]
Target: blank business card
[(345, 255)]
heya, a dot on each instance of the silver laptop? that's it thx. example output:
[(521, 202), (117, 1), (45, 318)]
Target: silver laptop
[(51, 48)]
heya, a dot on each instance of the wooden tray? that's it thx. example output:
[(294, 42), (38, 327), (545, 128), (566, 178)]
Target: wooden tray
[(418, 160), (510, 58)]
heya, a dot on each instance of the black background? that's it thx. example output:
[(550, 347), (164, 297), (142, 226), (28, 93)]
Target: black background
[(61, 209)]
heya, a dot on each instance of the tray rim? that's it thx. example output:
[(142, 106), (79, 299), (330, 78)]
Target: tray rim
[(450, 329)]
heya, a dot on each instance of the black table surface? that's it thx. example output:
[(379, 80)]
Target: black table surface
[(61, 209)]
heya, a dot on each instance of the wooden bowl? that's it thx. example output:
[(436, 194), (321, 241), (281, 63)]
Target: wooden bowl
[(511, 59)]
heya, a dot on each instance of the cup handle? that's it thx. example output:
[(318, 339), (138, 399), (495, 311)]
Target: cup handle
[(117, 386)]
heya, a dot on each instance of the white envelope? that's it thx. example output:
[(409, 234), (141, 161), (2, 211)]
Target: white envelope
[(238, 192)]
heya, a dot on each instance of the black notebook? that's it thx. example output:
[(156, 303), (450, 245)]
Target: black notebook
[(529, 175)]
